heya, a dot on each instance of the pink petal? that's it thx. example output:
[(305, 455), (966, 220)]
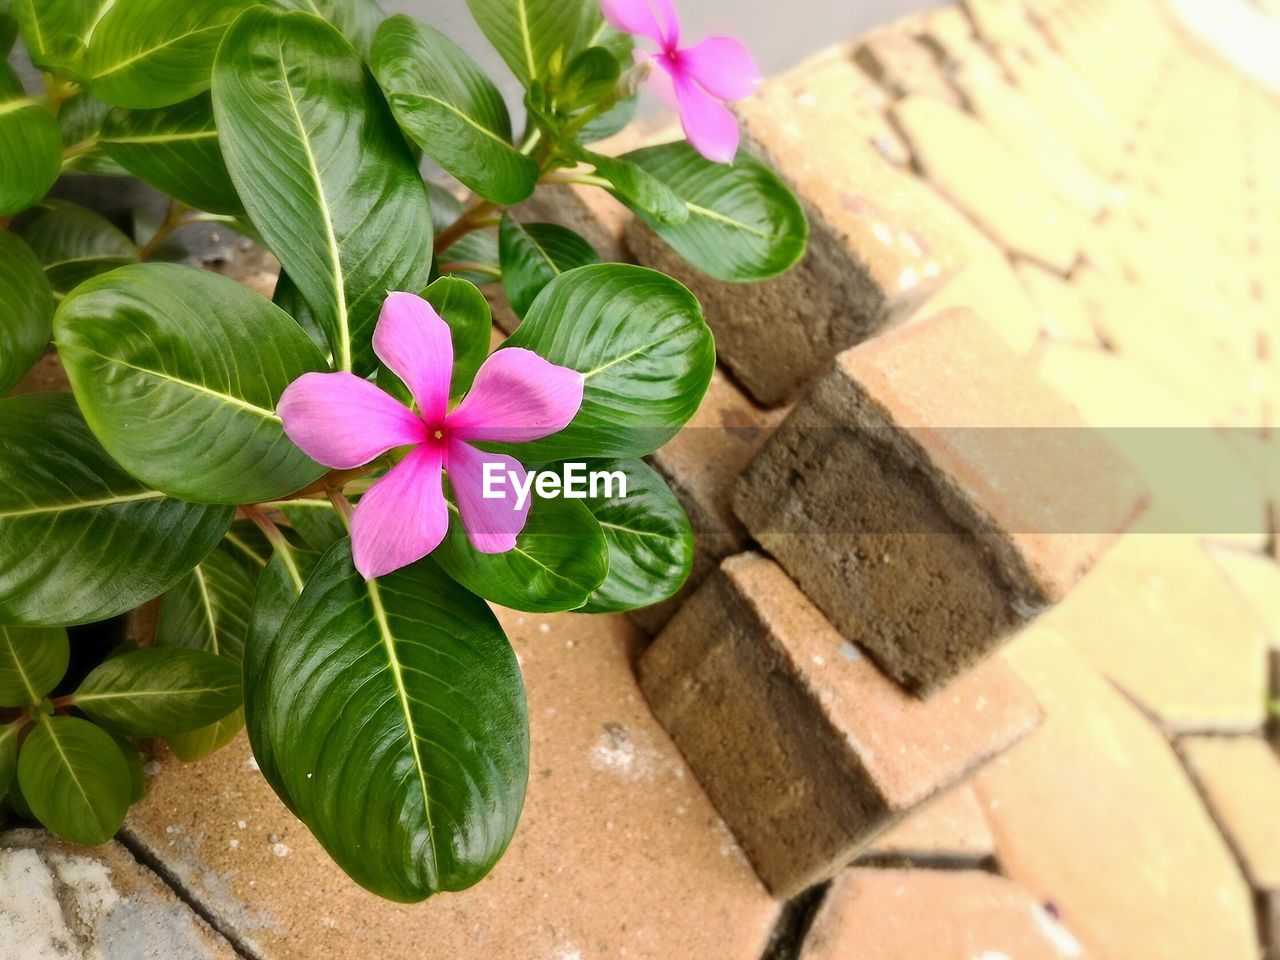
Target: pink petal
[(416, 344), (660, 83), (517, 396), (655, 19), (344, 422), (723, 66), (492, 523), (711, 129), (402, 517)]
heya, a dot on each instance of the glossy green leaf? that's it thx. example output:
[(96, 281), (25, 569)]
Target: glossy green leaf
[(198, 744), (290, 300), (590, 77), (246, 545), (649, 537), (534, 254), (26, 310), (8, 754), (56, 32), (30, 146), (153, 53), (175, 149), (75, 245), (639, 339), (357, 20), (80, 120), (75, 779), (209, 609), (639, 189), (744, 224), (470, 321), (392, 717), (159, 691), (32, 661), (559, 559), (451, 109), (315, 522), (8, 34), (537, 38), (178, 372), (323, 171), (137, 770), (80, 539)]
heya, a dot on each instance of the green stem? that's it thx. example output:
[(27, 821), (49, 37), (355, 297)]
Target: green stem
[(343, 507), (175, 217)]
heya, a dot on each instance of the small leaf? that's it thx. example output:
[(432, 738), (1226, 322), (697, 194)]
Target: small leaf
[(32, 661), (534, 36), (349, 223), (80, 120), (638, 188), (55, 32), (75, 779), (179, 372), (8, 754), (590, 77), (743, 224), (209, 609), (198, 744), (392, 719), (75, 245), (559, 559), (470, 321), (153, 53), (159, 691), (649, 537), (26, 310), (175, 149), (639, 339), (357, 20), (534, 254), (80, 539), (449, 107), (30, 147), (315, 522)]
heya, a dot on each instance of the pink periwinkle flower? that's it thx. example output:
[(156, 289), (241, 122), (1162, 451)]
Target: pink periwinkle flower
[(345, 422), (695, 80)]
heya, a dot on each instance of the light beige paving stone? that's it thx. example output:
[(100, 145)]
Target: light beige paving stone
[(1257, 577), (964, 915), (931, 495), (1158, 618), (702, 463), (998, 188), (1094, 814), (619, 853), (949, 830), (878, 233), (1064, 314), (807, 750), (902, 65), (1240, 779), (63, 902)]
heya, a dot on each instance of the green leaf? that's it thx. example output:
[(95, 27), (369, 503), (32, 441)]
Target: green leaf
[(159, 691), (392, 718), (32, 661), (743, 225), (288, 299), (153, 53), (247, 546), (209, 609), (137, 772), (449, 107), (56, 31), (357, 20), (537, 38), (178, 372), (80, 120), (639, 339), (590, 77), (470, 321), (534, 254), (75, 779), (649, 537), (8, 33), (323, 171), (559, 559), (175, 149), (80, 539), (75, 245), (8, 754), (198, 744), (26, 310), (638, 188), (30, 146)]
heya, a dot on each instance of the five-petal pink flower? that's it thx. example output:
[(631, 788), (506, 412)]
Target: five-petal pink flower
[(696, 80), (345, 422)]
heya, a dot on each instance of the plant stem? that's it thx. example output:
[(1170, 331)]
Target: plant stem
[(574, 176), (342, 505), (267, 526), (467, 266), (78, 149), (175, 217), (469, 220)]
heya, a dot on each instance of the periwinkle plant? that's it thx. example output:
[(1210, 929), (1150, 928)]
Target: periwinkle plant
[(382, 699)]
